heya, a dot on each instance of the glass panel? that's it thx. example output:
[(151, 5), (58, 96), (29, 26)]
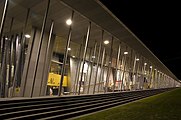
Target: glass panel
[(14, 41), (60, 14)]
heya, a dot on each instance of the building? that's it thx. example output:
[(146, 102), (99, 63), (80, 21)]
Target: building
[(72, 47)]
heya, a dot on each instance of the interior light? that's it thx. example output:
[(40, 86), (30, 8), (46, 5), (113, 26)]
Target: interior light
[(85, 67), (69, 49), (150, 66), (125, 53), (106, 42), (73, 56), (68, 21), (93, 56), (27, 36), (6, 38), (145, 63), (137, 59)]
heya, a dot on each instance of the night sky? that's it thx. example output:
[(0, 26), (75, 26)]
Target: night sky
[(156, 24)]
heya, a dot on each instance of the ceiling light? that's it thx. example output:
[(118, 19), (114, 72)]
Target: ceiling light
[(69, 22), (6, 38), (150, 66), (106, 42), (93, 56), (73, 56), (145, 63), (69, 49), (125, 53), (137, 59), (27, 36)]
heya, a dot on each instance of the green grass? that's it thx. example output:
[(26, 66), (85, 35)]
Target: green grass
[(165, 106)]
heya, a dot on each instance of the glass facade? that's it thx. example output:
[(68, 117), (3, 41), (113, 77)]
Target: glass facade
[(48, 48)]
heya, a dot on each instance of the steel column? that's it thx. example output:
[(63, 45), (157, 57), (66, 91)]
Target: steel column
[(40, 44), (21, 50), (10, 61), (3, 18), (65, 57), (84, 55), (10, 55), (101, 71), (89, 59), (92, 63), (46, 56), (77, 71), (109, 67), (3, 68), (4, 62), (97, 64), (117, 62), (122, 84)]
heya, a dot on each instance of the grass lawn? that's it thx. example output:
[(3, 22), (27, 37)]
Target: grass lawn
[(165, 106)]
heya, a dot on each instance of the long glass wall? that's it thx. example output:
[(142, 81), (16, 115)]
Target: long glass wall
[(47, 48)]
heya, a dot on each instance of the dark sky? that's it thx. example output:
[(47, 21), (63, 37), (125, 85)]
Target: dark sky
[(156, 24)]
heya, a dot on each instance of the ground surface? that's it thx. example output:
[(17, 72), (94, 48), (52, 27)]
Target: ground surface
[(165, 106)]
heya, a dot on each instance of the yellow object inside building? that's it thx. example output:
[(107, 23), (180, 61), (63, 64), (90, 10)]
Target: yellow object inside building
[(54, 80)]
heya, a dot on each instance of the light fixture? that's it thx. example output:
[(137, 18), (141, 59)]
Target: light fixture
[(137, 59), (125, 53), (150, 66), (73, 56), (69, 49), (6, 38), (145, 63), (68, 21), (85, 68), (93, 56), (106, 42), (27, 36)]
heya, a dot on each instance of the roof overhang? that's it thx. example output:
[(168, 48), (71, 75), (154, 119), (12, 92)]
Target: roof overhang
[(96, 12)]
